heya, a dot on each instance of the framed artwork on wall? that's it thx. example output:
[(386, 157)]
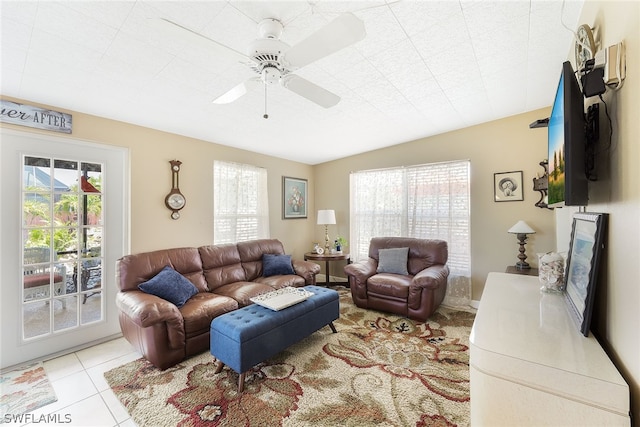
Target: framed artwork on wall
[(294, 197), (507, 186), (583, 262)]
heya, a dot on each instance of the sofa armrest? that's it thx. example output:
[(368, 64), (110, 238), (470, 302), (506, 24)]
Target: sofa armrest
[(431, 278), (147, 310), (360, 271), (306, 269), (358, 274)]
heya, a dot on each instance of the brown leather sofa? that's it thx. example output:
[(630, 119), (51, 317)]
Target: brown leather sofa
[(415, 295), (226, 276)]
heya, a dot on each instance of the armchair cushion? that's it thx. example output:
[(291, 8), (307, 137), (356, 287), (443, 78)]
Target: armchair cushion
[(274, 265), (393, 260), (170, 285)]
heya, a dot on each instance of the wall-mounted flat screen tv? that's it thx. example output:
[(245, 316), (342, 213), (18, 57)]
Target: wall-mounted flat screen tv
[(568, 184)]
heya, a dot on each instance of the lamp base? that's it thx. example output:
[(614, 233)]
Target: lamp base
[(522, 256), (327, 247)]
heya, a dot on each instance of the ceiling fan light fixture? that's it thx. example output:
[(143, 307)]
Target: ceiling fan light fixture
[(270, 28), (270, 75)]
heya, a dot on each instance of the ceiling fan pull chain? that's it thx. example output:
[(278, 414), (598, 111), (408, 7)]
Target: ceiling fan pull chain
[(266, 116)]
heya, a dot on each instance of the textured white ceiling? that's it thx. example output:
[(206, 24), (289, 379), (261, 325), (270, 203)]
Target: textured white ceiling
[(425, 67)]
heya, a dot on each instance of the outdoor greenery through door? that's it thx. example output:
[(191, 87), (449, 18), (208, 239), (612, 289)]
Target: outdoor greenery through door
[(62, 230)]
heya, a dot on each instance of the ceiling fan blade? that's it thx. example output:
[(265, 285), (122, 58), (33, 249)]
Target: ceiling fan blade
[(343, 31), (236, 92), (311, 91), (190, 37)]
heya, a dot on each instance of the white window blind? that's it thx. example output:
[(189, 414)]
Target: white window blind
[(425, 201), (240, 203)]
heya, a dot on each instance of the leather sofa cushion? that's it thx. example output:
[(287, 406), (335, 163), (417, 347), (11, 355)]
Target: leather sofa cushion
[(221, 265), (423, 253), (132, 270), (393, 285), (201, 309), (251, 255), (243, 291)]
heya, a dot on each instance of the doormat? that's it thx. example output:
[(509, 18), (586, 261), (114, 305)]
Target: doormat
[(23, 390)]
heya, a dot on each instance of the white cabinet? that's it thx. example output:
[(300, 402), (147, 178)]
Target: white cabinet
[(530, 365)]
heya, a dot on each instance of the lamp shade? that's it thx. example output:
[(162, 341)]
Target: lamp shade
[(521, 227), (326, 216)]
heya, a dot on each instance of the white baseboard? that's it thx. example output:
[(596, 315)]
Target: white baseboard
[(475, 304)]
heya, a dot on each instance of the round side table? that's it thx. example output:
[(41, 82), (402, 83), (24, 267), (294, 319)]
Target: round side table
[(327, 258)]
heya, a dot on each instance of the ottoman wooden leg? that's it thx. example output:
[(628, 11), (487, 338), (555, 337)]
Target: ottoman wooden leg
[(241, 382), (333, 328), (219, 367)]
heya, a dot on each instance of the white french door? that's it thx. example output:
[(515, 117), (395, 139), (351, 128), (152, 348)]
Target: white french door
[(63, 223)]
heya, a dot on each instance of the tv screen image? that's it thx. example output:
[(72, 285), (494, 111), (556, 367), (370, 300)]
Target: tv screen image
[(566, 144), (555, 192)]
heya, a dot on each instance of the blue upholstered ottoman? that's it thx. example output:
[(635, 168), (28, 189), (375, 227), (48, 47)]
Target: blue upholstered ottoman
[(245, 337)]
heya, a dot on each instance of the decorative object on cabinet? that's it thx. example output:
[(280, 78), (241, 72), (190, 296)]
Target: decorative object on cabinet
[(551, 272), (507, 186), (521, 229), (294, 198), (541, 184), (583, 263), (175, 200), (326, 217)]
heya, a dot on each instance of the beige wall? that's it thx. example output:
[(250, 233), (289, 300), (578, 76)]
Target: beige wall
[(500, 146), (616, 320), (150, 151)]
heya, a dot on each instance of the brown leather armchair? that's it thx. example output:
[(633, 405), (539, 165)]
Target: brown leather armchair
[(415, 295)]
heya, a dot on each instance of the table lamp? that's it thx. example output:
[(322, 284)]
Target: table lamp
[(326, 217), (521, 229)]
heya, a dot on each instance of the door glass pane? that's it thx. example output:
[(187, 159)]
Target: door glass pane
[(37, 274), (36, 209), (65, 313), (90, 308), (36, 319), (62, 242)]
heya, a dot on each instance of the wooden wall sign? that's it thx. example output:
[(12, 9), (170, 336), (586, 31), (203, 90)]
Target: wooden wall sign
[(34, 117)]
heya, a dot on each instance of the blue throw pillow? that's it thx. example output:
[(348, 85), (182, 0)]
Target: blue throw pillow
[(170, 285), (393, 260), (275, 265)]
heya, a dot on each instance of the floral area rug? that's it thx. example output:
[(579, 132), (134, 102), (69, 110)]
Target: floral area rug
[(379, 369), (24, 390)]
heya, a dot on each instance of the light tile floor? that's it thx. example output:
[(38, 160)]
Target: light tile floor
[(83, 393)]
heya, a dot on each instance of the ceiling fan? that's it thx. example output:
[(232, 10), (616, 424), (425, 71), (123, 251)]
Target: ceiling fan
[(274, 61)]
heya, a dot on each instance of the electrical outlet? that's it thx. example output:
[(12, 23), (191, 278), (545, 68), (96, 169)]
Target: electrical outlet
[(615, 64)]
